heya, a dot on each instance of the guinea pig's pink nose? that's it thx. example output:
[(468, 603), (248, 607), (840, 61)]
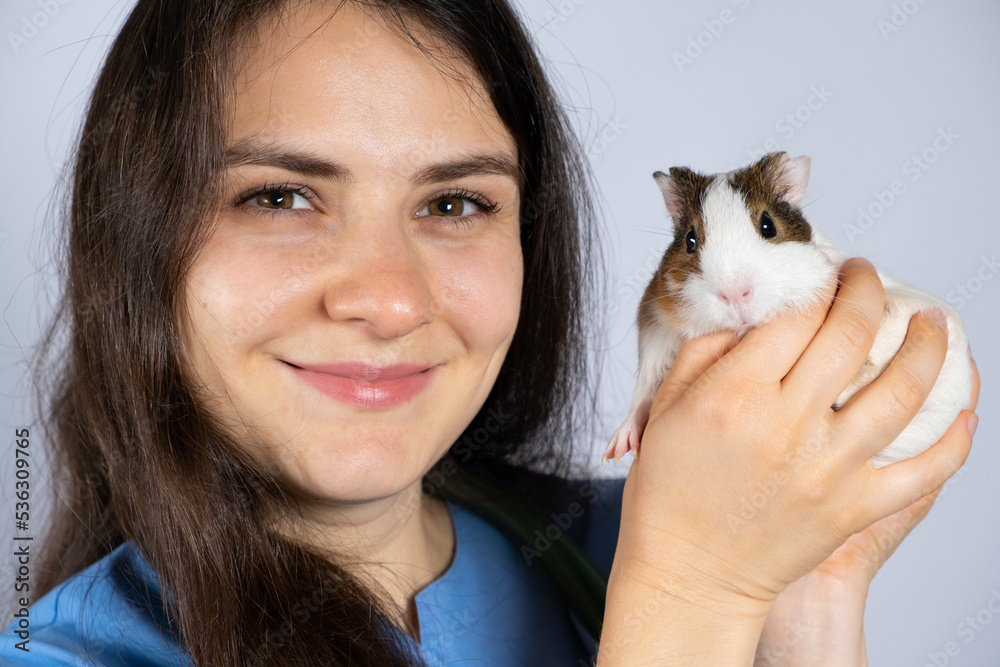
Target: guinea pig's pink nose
[(738, 295)]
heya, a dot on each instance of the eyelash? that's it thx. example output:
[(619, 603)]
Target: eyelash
[(243, 201), (486, 207)]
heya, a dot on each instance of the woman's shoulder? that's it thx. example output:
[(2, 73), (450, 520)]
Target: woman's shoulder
[(110, 613)]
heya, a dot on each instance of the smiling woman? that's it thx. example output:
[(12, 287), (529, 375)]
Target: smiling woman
[(316, 277)]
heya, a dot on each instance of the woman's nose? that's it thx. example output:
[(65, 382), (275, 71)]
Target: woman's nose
[(384, 283)]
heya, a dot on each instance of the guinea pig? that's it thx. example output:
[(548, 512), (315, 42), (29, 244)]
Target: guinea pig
[(742, 253)]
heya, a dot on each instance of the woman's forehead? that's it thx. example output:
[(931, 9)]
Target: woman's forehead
[(351, 78)]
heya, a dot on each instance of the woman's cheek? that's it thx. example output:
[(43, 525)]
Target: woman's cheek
[(240, 293), (482, 290), (238, 298)]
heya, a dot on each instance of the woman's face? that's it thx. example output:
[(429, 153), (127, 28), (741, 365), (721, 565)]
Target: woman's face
[(351, 311)]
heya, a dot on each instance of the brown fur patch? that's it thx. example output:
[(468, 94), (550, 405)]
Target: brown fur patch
[(758, 184), (676, 263)]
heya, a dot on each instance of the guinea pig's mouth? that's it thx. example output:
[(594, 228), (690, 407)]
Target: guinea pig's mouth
[(742, 322), (742, 317)]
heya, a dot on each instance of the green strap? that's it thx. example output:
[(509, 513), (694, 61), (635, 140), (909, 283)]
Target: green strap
[(579, 581)]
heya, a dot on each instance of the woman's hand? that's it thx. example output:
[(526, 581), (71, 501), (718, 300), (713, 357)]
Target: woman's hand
[(818, 620), (746, 479)]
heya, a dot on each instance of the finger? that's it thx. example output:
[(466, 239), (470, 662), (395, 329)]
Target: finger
[(695, 357), (841, 345), (886, 534), (883, 409), (773, 348), (894, 528), (903, 483)]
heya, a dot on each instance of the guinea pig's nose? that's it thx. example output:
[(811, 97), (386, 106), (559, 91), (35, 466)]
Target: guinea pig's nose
[(737, 295)]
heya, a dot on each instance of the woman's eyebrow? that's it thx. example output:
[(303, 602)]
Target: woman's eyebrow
[(472, 164), (476, 163), (249, 152)]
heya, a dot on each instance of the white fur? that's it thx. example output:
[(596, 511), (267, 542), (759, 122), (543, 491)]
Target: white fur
[(953, 387), (658, 346), (787, 276)]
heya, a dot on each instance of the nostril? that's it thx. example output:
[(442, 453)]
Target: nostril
[(742, 294)]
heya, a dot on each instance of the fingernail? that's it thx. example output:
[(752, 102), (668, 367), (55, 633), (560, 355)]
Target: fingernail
[(973, 424), (937, 317)]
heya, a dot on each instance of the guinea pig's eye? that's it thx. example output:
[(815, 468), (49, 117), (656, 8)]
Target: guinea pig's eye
[(767, 227), (692, 241)]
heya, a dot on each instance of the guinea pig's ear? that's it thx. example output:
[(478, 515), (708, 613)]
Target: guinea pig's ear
[(671, 196), (793, 178)]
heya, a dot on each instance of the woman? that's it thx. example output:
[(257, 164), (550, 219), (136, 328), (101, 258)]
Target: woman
[(332, 242)]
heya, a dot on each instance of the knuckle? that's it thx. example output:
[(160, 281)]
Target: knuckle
[(856, 331), (846, 518), (714, 406), (954, 454), (816, 492), (931, 481), (906, 390), (820, 480), (727, 402)]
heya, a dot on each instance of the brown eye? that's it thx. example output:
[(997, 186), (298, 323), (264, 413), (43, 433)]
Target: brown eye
[(276, 199), (463, 206), (447, 206)]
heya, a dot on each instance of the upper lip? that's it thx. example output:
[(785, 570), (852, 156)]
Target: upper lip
[(357, 370)]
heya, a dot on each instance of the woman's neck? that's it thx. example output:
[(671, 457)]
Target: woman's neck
[(398, 544)]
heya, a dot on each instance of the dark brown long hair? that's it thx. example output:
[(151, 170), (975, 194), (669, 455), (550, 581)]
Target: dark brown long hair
[(136, 457)]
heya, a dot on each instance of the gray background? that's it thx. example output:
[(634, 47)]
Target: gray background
[(861, 86)]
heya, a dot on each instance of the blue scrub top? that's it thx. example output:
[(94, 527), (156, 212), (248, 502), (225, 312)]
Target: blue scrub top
[(494, 605)]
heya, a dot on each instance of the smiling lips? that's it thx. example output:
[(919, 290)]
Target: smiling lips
[(363, 386)]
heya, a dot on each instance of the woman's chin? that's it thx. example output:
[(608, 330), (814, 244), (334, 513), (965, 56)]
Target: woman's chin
[(362, 474)]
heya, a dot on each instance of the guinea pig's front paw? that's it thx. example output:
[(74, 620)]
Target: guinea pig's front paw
[(626, 438), (622, 442)]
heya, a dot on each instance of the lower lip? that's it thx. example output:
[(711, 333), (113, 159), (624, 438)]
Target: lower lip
[(364, 394)]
